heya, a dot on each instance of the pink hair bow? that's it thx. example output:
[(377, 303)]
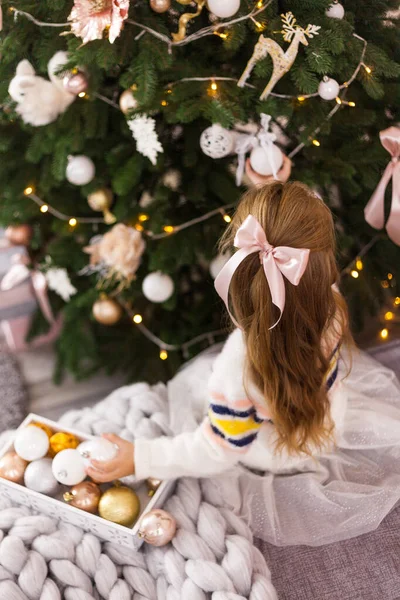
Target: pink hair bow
[(277, 262), (374, 212)]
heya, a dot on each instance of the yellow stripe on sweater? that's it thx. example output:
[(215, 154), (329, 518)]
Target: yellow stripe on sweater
[(234, 427)]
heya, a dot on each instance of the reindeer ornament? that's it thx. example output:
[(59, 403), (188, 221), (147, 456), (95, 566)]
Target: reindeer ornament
[(282, 61)]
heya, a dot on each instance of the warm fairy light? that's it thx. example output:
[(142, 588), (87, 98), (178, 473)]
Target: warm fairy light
[(73, 222), (338, 100), (316, 143), (28, 190), (368, 69), (384, 333), (258, 25), (222, 34), (214, 86), (137, 319), (385, 284), (390, 276), (169, 91), (359, 264), (168, 228), (355, 274), (82, 94), (352, 104), (300, 98), (396, 301), (139, 227), (163, 354), (11, 9), (164, 103), (143, 218), (259, 4), (44, 208), (227, 218), (389, 316)]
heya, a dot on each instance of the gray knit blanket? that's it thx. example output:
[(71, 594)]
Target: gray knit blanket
[(212, 556)]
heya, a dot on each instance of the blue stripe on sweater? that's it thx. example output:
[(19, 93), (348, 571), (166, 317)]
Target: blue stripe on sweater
[(225, 410)]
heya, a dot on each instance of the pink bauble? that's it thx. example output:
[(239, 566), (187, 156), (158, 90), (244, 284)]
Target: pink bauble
[(75, 84), (157, 527)]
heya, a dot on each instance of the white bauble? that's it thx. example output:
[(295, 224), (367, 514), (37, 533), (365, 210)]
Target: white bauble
[(80, 170), (97, 449), (39, 477), (335, 11), (223, 8), (217, 142), (31, 443), (158, 287), (127, 101), (266, 162), (69, 467), (328, 88), (217, 263)]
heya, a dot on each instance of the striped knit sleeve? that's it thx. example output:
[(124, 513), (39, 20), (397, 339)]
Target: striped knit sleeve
[(234, 428)]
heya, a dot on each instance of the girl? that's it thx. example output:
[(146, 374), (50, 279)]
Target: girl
[(318, 433)]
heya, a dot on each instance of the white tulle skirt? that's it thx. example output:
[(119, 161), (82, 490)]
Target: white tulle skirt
[(335, 496)]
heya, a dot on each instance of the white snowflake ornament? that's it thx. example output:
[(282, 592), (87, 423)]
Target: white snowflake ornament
[(59, 281), (144, 132)]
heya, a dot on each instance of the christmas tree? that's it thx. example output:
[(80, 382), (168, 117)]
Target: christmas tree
[(147, 117)]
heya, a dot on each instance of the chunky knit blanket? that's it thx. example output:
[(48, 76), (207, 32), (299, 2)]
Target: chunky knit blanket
[(212, 555)]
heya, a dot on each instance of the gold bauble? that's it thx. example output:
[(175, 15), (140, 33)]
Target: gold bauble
[(152, 485), (101, 200), (107, 311), (46, 428), (127, 101), (62, 441), (160, 6), (120, 505)]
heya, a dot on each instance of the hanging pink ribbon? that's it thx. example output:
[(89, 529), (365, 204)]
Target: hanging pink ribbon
[(374, 212), (277, 262), (17, 273)]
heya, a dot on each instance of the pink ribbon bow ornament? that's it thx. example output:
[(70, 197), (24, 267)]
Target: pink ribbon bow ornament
[(374, 212)]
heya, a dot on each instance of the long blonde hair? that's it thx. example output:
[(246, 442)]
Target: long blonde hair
[(288, 364)]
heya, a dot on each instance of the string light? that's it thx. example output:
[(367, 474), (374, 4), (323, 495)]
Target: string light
[(214, 86), (137, 319), (352, 104), (384, 333), (368, 69), (259, 4), (44, 208), (139, 227), (168, 228), (164, 103), (73, 222), (300, 98), (142, 218), (163, 354), (355, 274), (338, 100), (227, 218), (390, 276), (359, 264), (259, 26), (222, 34), (316, 143), (28, 190), (82, 94), (389, 316), (385, 284), (396, 301)]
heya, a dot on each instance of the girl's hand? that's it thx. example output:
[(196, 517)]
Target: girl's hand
[(120, 466), (283, 175)]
